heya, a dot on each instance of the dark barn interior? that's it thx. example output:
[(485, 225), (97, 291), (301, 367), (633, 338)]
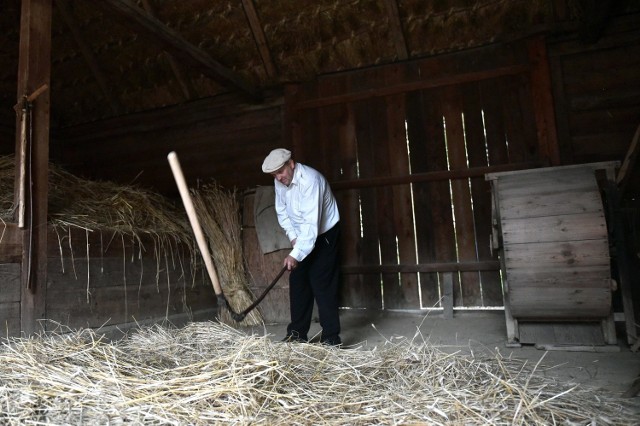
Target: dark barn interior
[(483, 153)]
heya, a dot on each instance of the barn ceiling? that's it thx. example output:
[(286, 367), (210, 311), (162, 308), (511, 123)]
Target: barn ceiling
[(115, 57)]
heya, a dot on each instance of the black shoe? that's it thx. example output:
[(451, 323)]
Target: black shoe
[(331, 341), (294, 339)]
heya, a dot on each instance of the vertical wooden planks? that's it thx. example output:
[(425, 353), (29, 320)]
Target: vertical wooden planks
[(437, 194), (461, 197), (369, 244), (349, 204), (338, 146), (407, 296), (331, 119), (494, 122), (424, 127), (384, 201), (378, 123), (305, 148), (490, 283), (512, 116)]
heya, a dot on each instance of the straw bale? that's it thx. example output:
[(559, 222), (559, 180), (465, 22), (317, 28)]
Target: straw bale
[(210, 373)]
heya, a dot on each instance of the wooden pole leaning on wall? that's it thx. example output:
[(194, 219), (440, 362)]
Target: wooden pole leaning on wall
[(25, 177), (34, 77)]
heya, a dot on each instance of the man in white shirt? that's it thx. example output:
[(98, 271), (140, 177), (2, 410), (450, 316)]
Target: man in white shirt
[(308, 213)]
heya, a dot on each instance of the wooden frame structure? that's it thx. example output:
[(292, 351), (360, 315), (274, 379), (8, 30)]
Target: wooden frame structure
[(550, 229)]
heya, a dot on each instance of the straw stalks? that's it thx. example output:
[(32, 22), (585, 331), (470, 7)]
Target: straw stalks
[(119, 212), (99, 205), (219, 214), (209, 373)]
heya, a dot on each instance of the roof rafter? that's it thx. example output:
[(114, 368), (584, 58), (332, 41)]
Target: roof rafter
[(142, 22), (259, 37), (63, 9), (186, 86), (395, 28)]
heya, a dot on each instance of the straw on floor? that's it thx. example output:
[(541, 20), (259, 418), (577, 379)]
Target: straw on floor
[(209, 373)]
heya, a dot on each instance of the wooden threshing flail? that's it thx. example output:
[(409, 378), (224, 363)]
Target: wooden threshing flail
[(550, 228)]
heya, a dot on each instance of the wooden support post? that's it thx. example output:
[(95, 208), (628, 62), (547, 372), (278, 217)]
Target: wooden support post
[(617, 233), (447, 295), (292, 130), (543, 101), (34, 75), (513, 333)]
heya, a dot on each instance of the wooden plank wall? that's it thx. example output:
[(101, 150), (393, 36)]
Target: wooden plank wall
[(597, 93), (402, 146), (119, 282), (10, 279), (221, 138), (122, 281), (597, 96)]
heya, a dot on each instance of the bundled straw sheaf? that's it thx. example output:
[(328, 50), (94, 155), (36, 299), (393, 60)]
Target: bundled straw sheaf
[(209, 373), (219, 214)]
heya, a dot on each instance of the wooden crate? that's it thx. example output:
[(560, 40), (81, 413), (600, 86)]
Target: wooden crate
[(551, 232)]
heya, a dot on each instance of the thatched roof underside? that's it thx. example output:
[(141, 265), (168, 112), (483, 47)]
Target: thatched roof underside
[(261, 42)]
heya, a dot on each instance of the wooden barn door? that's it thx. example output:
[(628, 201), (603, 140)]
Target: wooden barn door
[(406, 148)]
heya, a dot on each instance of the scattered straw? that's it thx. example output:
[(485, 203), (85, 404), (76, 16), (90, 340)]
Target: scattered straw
[(219, 214), (210, 373)]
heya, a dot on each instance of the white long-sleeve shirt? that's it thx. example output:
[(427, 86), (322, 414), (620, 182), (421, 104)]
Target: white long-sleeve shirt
[(306, 208)]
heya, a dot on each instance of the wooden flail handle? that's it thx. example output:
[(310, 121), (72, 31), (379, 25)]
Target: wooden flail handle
[(195, 223)]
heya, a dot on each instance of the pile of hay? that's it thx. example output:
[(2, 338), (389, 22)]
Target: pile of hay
[(209, 373), (100, 206)]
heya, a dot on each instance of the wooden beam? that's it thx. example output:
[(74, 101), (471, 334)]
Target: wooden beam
[(259, 37), (629, 163), (34, 73), (430, 176), (395, 29), (90, 59), (487, 265), (140, 21), (413, 85), (543, 104), (186, 86)]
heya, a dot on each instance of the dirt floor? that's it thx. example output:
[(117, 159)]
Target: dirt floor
[(613, 369)]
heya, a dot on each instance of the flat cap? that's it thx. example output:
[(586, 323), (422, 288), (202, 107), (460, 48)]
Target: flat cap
[(275, 160)]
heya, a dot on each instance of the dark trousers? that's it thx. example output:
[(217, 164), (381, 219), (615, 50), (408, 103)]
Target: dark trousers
[(317, 276)]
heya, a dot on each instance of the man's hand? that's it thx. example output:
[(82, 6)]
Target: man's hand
[(290, 263)]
